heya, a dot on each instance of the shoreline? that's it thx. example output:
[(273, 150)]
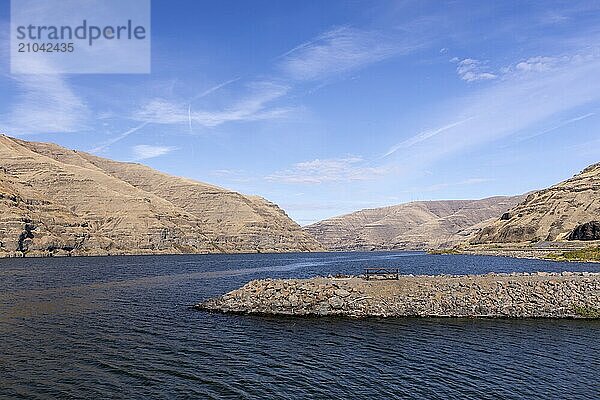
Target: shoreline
[(552, 251), (143, 253), (515, 254), (573, 295), (581, 252), (523, 255)]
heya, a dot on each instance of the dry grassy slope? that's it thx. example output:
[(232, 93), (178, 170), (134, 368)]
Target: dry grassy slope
[(415, 225), (118, 208), (235, 221), (549, 214)]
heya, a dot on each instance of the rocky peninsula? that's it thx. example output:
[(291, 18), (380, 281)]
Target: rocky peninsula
[(515, 295)]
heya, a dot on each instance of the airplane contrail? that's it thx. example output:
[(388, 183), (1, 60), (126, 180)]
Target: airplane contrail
[(122, 136)]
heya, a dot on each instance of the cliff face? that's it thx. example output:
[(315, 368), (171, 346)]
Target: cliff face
[(551, 214), (410, 226), (58, 201)]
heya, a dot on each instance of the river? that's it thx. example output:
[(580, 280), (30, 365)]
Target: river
[(122, 327)]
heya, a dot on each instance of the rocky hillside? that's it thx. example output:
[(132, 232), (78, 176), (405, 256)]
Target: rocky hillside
[(55, 201), (569, 210), (416, 225)]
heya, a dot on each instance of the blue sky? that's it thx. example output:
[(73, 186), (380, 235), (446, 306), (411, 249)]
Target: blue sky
[(326, 107)]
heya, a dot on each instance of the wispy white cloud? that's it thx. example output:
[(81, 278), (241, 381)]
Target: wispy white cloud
[(538, 64), (203, 94), (329, 170), (44, 103), (145, 151), (225, 172), (329, 54), (552, 17), (522, 100), (340, 50), (566, 12), (472, 70), (233, 175), (252, 107), (162, 111)]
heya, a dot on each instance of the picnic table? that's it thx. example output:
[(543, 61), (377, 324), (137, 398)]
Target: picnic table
[(382, 273)]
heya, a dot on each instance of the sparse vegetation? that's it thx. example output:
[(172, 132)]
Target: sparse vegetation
[(588, 254), (587, 312)]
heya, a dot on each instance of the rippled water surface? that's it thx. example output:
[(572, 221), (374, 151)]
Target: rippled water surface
[(121, 327)]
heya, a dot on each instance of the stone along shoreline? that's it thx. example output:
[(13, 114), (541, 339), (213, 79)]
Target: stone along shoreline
[(516, 295)]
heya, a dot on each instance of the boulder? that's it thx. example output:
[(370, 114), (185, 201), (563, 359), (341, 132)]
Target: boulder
[(505, 217)]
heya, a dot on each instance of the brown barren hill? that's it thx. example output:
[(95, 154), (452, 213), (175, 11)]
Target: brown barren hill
[(551, 214), (59, 201), (411, 226)]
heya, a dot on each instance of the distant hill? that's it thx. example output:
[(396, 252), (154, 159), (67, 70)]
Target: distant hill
[(415, 225), (566, 211), (56, 201)]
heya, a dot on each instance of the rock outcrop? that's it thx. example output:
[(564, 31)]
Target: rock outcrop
[(519, 295), (55, 201), (411, 226), (551, 214), (588, 231)]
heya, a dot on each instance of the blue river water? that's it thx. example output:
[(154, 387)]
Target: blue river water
[(122, 327)]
